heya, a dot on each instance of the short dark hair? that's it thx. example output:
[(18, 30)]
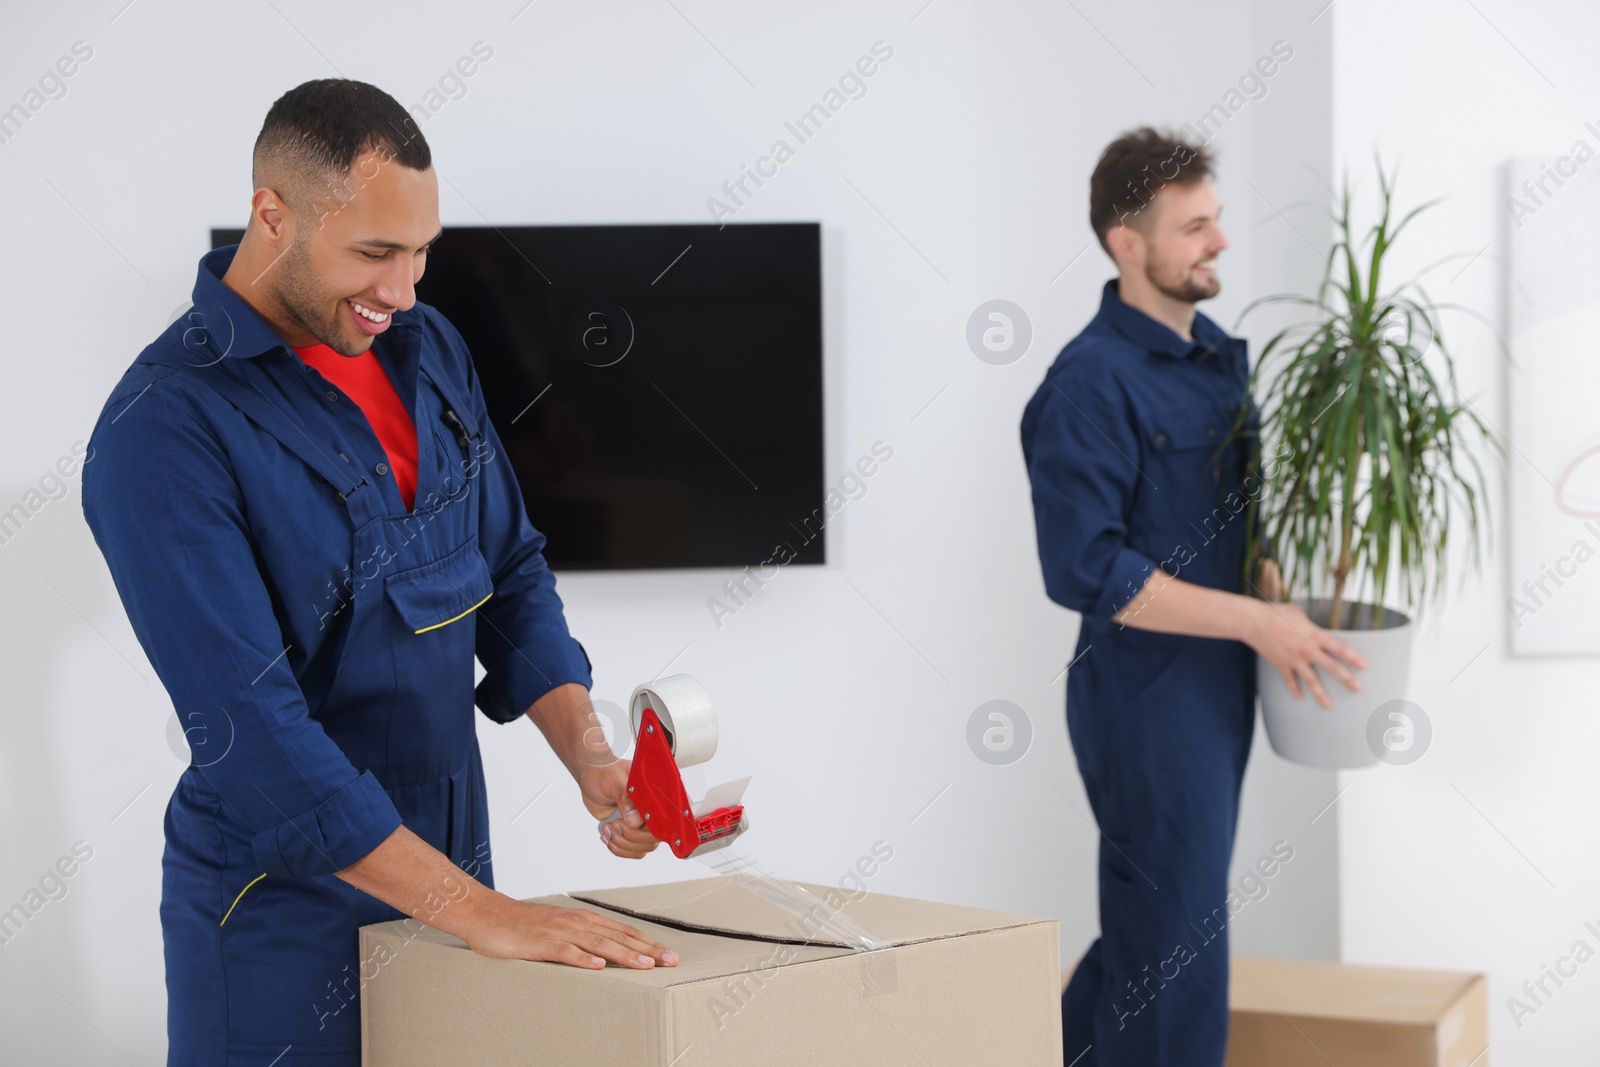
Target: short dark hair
[(314, 132), (1133, 168)]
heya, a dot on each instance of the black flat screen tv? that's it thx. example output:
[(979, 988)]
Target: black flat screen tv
[(658, 388)]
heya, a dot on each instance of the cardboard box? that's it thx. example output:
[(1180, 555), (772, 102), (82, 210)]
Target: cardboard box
[(955, 986), (1288, 1013)]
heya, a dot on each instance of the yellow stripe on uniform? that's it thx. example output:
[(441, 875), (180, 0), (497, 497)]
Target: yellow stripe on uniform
[(447, 622), (242, 892)]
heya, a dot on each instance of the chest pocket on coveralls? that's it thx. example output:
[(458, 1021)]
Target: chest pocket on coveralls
[(1178, 429), (1187, 442), (439, 593), (450, 586)]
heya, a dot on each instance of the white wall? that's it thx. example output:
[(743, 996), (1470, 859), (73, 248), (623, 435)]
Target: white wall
[(961, 177), (1479, 856)]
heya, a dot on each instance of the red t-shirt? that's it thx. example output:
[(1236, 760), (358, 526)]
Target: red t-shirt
[(362, 378)]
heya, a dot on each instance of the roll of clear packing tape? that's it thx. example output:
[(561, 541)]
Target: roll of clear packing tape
[(684, 708)]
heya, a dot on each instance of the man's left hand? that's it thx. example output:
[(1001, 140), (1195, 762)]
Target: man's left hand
[(567, 719), (605, 790)]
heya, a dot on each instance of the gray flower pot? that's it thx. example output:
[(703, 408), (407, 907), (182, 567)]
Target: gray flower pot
[(1302, 730)]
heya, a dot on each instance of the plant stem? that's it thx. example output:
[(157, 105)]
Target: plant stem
[(1339, 575), (1347, 518)]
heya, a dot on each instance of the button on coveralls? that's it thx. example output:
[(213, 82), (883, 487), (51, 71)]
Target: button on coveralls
[(317, 641), (1123, 447)]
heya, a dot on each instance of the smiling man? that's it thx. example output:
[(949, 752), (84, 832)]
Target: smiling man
[(314, 530), (1139, 511)]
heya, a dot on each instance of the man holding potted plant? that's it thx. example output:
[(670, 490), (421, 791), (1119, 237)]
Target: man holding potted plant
[(1140, 501)]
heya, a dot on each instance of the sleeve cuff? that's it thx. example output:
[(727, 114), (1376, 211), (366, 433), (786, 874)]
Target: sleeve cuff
[(1129, 571), (331, 836), (513, 684)]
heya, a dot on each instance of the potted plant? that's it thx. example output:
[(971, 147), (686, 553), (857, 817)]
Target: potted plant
[(1359, 408)]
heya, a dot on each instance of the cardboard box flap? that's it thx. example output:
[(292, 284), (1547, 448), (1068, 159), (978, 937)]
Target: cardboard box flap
[(1314, 989), (723, 906), (703, 954)]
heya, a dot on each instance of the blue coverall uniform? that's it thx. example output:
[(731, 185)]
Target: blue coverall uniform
[(317, 641), (1123, 447)]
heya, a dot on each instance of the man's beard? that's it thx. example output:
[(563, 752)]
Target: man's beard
[(1182, 285), (306, 301)]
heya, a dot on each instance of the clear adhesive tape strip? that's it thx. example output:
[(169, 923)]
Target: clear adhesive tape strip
[(684, 708), (813, 918)]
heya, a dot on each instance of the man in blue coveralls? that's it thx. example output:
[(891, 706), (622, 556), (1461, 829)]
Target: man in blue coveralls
[(315, 619), (1140, 516)]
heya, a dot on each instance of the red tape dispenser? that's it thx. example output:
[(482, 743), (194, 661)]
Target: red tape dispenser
[(675, 726)]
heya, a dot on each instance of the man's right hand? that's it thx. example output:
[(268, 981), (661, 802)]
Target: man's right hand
[(516, 929), (1284, 636)]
